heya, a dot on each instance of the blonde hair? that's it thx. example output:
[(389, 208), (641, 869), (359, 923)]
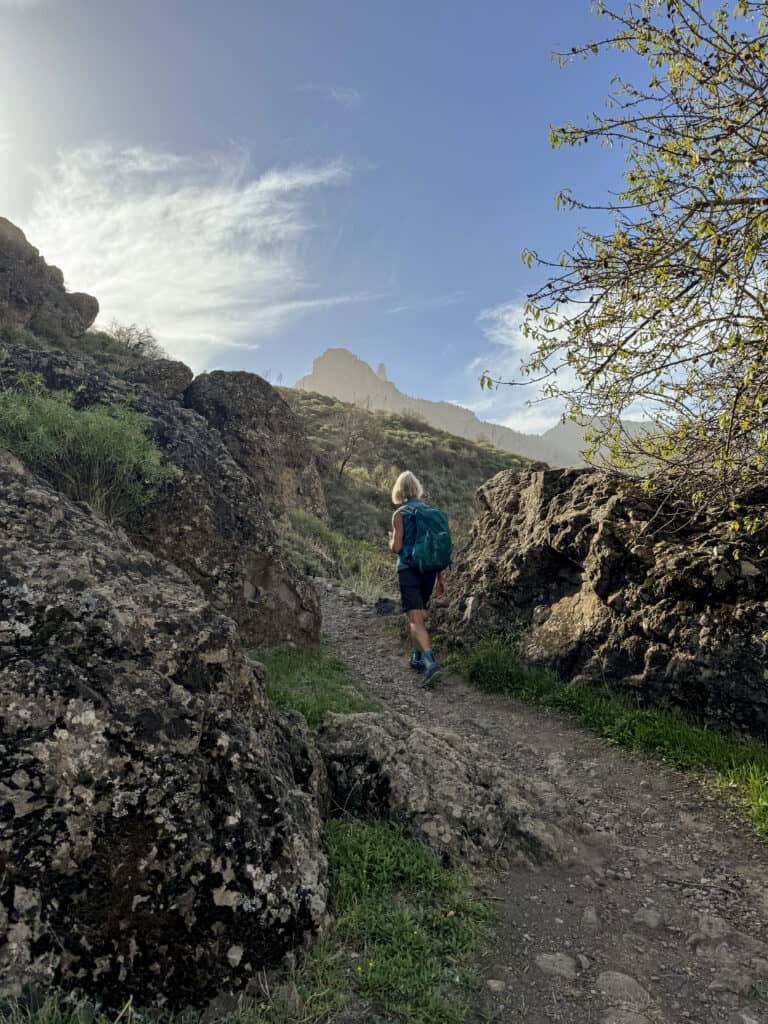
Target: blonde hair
[(406, 486)]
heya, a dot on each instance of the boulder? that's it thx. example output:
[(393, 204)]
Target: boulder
[(604, 587), (465, 806), (32, 294), (211, 518), (262, 434), (168, 378), (159, 831)]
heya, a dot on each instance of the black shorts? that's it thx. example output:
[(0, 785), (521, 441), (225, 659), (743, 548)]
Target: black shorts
[(415, 588)]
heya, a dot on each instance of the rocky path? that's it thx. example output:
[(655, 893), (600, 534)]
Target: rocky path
[(663, 919)]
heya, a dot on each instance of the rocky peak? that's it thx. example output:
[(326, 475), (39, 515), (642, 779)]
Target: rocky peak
[(32, 293)]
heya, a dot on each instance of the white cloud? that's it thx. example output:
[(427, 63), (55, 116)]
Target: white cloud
[(343, 95), (203, 252), (519, 406), (503, 324)]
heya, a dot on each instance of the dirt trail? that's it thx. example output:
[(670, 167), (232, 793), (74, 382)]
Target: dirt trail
[(664, 921)]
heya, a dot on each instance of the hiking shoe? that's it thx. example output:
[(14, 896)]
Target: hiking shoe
[(417, 664), (431, 669)]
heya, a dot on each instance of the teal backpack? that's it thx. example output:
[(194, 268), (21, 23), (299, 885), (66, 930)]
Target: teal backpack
[(433, 545)]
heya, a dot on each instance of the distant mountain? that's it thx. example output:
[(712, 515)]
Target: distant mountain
[(340, 374)]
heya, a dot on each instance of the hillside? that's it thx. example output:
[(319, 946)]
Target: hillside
[(340, 374), (377, 447), (451, 468)]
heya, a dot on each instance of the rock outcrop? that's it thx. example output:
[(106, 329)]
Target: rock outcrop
[(32, 294), (159, 832), (262, 434), (462, 804), (582, 561), (210, 519)]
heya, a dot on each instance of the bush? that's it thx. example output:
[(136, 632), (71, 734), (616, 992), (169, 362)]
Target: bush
[(100, 455)]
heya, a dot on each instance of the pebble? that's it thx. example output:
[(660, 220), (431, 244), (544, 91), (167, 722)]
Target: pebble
[(559, 964), (649, 917), (496, 985), (590, 918), (731, 981)]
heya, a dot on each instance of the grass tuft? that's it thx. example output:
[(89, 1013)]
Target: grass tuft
[(312, 681), (741, 764), (411, 922), (366, 568)]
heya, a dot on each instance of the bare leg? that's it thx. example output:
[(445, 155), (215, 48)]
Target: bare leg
[(417, 630)]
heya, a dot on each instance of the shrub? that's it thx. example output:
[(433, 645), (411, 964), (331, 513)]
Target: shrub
[(100, 455)]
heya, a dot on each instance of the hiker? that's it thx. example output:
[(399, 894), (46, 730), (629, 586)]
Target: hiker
[(417, 581)]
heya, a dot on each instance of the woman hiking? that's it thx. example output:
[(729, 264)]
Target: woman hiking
[(415, 587)]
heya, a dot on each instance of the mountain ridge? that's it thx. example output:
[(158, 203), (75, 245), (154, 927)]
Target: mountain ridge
[(341, 374)]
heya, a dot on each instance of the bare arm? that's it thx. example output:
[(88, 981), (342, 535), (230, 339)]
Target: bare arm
[(396, 536)]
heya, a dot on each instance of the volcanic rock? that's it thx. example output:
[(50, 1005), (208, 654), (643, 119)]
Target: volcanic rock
[(262, 434), (211, 518), (159, 832), (32, 293), (583, 563), (458, 801)]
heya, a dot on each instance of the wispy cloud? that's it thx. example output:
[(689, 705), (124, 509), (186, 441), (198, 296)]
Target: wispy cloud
[(518, 407), (419, 305), (202, 251), (503, 324), (346, 96)]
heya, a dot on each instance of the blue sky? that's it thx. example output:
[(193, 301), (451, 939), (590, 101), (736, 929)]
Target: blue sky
[(257, 181)]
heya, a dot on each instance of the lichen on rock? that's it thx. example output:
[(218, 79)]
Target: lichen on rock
[(159, 825)]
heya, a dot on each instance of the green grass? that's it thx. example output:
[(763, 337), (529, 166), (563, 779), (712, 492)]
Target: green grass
[(312, 681), (413, 923), (403, 934), (100, 455), (366, 568), (55, 1011), (741, 765)]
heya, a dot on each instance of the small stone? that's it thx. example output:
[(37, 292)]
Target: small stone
[(648, 917), (622, 990), (590, 918), (558, 964), (584, 962), (235, 955), (731, 981), (496, 985), (745, 1017)]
